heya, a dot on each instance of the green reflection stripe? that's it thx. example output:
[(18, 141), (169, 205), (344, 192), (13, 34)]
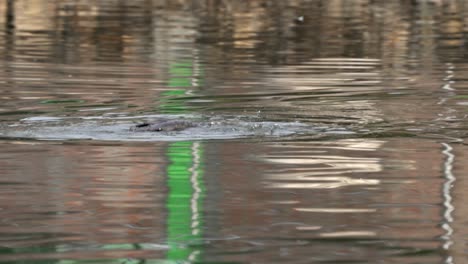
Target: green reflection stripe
[(185, 178), (181, 77), (185, 200)]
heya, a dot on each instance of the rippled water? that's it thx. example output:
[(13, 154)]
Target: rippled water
[(327, 131)]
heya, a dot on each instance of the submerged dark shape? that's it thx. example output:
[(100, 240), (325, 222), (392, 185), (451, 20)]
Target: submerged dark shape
[(163, 125)]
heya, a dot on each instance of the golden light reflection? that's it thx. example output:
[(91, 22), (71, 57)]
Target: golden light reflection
[(345, 181), (308, 228), (33, 15), (245, 30), (357, 144), (247, 24), (348, 234), (321, 165), (337, 162), (336, 210)]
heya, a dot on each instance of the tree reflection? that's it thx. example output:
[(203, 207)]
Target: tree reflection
[(10, 15)]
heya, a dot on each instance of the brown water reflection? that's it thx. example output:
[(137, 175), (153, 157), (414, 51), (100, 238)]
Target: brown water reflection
[(361, 200), (383, 183)]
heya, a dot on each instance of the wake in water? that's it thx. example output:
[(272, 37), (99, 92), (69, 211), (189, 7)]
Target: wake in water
[(137, 128)]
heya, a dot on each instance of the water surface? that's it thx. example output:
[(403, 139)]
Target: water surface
[(331, 131)]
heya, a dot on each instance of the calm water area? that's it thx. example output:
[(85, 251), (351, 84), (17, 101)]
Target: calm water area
[(328, 131)]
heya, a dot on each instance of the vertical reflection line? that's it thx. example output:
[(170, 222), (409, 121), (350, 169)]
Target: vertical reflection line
[(196, 189), (450, 179), (196, 196), (185, 172), (184, 201), (449, 77)]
